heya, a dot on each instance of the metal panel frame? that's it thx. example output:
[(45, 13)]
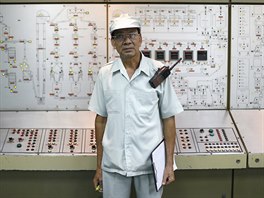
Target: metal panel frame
[(169, 1)]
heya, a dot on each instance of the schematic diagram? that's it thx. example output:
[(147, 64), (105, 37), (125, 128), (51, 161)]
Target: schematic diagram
[(247, 87), (50, 55), (196, 33)]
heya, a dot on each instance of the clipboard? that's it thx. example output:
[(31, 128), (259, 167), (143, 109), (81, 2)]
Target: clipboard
[(158, 159)]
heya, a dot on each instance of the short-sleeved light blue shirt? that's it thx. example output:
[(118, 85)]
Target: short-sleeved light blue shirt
[(134, 111)]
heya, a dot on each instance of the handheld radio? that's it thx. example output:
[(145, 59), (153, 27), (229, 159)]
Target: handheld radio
[(161, 75)]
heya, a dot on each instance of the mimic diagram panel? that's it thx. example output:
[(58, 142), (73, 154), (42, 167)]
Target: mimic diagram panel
[(247, 86), (196, 33), (48, 141), (207, 140), (50, 55)]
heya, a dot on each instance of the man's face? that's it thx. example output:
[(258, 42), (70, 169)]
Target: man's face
[(127, 42)]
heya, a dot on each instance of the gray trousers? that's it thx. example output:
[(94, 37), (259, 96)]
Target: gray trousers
[(119, 186)]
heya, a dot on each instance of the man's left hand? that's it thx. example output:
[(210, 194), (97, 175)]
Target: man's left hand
[(168, 176)]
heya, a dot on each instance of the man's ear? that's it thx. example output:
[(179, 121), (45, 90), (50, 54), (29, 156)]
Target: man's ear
[(113, 43), (140, 38)]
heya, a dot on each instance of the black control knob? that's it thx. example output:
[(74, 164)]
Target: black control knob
[(19, 145), (50, 146)]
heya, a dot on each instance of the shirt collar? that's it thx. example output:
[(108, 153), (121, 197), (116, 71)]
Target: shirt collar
[(143, 66)]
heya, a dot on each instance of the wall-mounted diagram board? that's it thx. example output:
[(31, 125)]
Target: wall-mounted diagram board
[(50, 55), (196, 33), (247, 66)]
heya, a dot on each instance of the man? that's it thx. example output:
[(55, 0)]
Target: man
[(132, 117)]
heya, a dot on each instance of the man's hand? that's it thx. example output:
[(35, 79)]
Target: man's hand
[(97, 180), (168, 176)]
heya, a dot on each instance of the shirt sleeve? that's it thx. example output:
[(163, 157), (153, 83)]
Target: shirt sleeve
[(97, 101), (169, 103)]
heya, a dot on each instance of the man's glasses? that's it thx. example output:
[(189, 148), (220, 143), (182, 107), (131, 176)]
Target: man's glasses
[(122, 37)]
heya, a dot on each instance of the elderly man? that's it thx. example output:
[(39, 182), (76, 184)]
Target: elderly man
[(132, 118)]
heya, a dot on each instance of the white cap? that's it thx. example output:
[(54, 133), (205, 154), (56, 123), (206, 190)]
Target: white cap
[(124, 21)]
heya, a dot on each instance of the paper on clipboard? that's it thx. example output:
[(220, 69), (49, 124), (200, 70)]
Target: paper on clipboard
[(158, 158)]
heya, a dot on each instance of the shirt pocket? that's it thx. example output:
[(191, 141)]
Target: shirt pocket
[(147, 102), (113, 101)]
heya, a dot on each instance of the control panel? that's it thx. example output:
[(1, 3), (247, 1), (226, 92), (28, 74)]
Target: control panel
[(78, 141), (207, 140), (65, 140), (52, 140)]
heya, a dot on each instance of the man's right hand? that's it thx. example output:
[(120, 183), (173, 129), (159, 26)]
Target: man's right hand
[(98, 178)]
